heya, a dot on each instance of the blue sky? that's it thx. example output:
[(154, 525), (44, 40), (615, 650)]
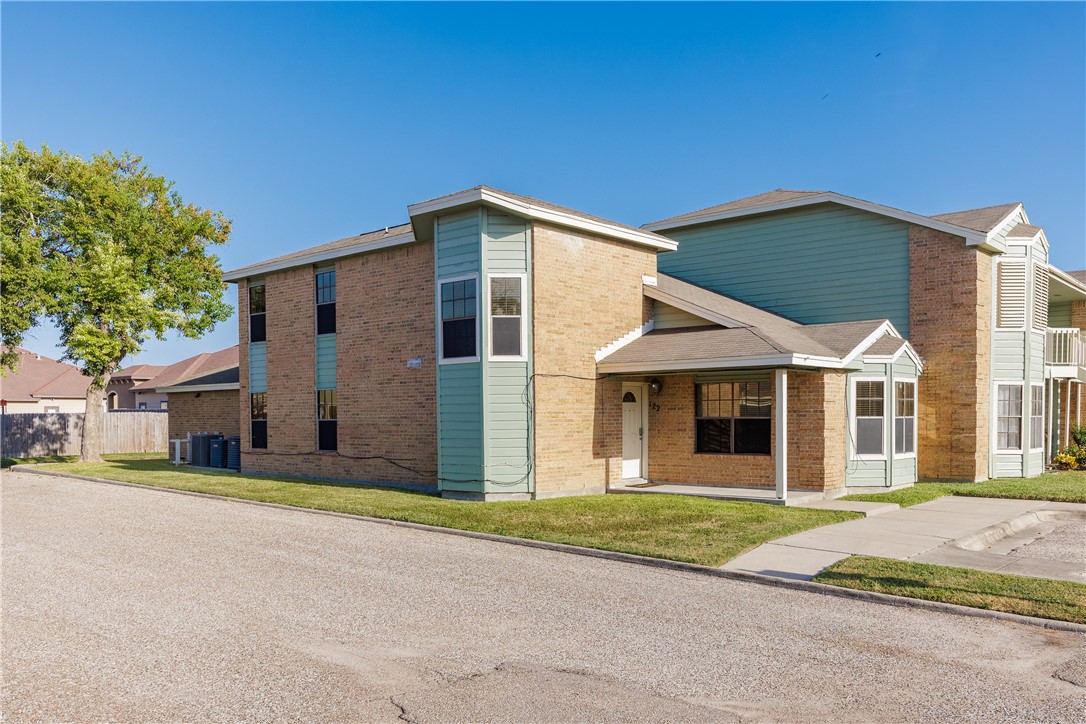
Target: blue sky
[(305, 123)]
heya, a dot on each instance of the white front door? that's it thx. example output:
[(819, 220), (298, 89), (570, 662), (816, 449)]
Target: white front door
[(632, 431)]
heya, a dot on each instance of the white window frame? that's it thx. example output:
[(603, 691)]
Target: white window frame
[(523, 356), (439, 329), (852, 420), (1022, 419), (916, 410), (1029, 417), (1027, 281)]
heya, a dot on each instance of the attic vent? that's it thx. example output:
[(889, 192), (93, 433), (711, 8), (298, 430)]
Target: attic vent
[(1040, 297), (1012, 295)]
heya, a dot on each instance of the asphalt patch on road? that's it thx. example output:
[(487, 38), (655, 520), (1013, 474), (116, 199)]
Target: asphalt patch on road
[(522, 692)]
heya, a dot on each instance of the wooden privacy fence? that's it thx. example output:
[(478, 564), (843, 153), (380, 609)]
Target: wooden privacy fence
[(35, 434)]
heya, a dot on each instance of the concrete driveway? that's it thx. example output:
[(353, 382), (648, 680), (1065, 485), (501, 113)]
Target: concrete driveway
[(124, 603)]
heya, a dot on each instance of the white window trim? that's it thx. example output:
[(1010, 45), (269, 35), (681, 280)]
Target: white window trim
[(1023, 419), (916, 409), (1028, 415), (523, 356), (438, 327), (852, 418), (1027, 314)]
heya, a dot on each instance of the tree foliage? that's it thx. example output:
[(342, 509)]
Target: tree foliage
[(106, 250)]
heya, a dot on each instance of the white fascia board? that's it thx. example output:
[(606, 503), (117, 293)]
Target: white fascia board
[(661, 296), (885, 327), (539, 213), (1067, 280), (235, 275), (905, 349), (972, 238), (782, 360), (198, 388)]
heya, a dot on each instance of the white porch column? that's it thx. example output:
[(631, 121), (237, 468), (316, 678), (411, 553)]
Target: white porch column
[(782, 433), (1067, 416), (1052, 442)]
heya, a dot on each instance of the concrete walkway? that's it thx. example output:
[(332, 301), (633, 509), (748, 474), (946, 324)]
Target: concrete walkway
[(924, 533)]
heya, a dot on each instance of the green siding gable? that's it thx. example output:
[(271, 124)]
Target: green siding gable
[(824, 263)]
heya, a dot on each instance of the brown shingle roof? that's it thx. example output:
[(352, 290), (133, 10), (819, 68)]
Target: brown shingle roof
[(984, 219), (1080, 275), (1024, 231), (769, 197), (767, 334), (38, 376), (138, 372), (885, 346), (369, 237), (200, 364)]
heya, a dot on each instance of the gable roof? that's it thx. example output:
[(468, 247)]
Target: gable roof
[(225, 379), (137, 372), (200, 364), (38, 376), (745, 336), (783, 199), (985, 219), (528, 207), (347, 246)]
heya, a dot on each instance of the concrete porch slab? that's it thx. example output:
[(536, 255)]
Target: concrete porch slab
[(720, 492), (852, 506)]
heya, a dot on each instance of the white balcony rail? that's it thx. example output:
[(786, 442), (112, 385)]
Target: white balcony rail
[(1065, 347)]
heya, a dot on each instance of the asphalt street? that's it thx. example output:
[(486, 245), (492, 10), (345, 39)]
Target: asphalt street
[(123, 603)]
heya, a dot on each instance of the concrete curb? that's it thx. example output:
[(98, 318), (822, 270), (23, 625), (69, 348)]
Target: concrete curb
[(808, 586)]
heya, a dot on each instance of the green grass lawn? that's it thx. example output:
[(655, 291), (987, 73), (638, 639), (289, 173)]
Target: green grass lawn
[(693, 530), (1043, 597), (1068, 486), (8, 462)]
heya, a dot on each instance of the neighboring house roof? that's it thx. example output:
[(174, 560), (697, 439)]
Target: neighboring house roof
[(227, 379), (201, 364), (782, 199), (138, 372), (986, 219), (751, 337), (39, 377), (1079, 275)]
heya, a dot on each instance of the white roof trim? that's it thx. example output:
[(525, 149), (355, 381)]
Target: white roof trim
[(1067, 279), (625, 340), (540, 213), (972, 238), (781, 360), (264, 267), (198, 388), (661, 296)]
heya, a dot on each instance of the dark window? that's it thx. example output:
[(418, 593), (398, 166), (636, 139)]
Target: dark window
[(326, 302), (326, 420), (458, 332), (505, 317), (257, 326), (258, 422), (733, 417)]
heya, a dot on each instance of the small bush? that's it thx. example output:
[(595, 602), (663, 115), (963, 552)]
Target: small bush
[(1072, 457), (1078, 435)]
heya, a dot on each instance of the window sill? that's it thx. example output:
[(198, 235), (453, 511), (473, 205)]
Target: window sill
[(458, 361), (735, 455)]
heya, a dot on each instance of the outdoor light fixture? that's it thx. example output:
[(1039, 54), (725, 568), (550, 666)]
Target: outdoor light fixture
[(655, 385)]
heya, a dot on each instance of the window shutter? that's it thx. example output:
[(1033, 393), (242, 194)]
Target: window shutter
[(1040, 297), (1012, 295)]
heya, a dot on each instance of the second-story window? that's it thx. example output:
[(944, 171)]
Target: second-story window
[(257, 326), (326, 302), (458, 315)]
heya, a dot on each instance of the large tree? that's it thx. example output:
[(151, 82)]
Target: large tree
[(109, 253)]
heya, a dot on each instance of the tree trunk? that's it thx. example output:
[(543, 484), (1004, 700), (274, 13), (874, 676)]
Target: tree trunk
[(90, 448)]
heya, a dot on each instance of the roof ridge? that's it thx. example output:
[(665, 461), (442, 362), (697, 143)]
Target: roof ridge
[(736, 201)]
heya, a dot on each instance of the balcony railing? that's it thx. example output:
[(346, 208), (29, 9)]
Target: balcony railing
[(1065, 347)]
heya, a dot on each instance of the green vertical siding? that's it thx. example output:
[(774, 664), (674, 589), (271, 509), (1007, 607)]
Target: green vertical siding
[(457, 252), (326, 362), (825, 263), (506, 413), (258, 367)]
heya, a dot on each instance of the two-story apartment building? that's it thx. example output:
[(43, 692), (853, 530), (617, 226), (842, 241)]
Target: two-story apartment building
[(498, 346)]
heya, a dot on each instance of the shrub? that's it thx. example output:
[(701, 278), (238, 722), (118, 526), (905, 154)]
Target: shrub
[(1072, 457), (1078, 434)]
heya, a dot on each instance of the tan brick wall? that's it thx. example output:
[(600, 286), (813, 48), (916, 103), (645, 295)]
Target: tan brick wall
[(384, 317), (215, 411), (588, 293), (1078, 315), (950, 319), (816, 437)]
